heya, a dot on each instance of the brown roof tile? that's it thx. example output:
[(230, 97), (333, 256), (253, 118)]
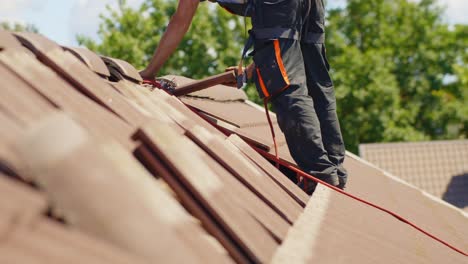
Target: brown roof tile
[(407, 201), (158, 168), (186, 161), (19, 101), (73, 70), (8, 41), (231, 159), (133, 221), (48, 250), (46, 84), (236, 113), (438, 167), (10, 130), (90, 59), (195, 121), (217, 92), (293, 190), (125, 68), (12, 253), (22, 206), (244, 120), (147, 101), (37, 43), (336, 229), (250, 202), (245, 171), (82, 243)]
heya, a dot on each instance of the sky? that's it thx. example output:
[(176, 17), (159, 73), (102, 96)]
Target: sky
[(62, 20)]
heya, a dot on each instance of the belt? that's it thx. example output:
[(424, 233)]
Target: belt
[(287, 33), (276, 33)]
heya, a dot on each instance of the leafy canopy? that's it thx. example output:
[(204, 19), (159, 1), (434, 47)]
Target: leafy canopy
[(399, 71), (18, 27)]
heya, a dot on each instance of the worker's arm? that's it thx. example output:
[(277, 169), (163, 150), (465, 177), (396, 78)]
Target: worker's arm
[(178, 26)]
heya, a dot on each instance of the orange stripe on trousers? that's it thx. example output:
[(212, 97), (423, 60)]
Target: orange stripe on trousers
[(262, 84), (280, 61)]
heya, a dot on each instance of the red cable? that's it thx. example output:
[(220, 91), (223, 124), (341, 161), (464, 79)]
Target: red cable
[(154, 83), (265, 104), (278, 161)]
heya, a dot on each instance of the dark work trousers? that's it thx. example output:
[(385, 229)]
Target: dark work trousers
[(293, 74), (321, 90)]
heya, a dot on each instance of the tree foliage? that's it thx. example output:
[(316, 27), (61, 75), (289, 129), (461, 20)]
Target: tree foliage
[(18, 27), (400, 72)]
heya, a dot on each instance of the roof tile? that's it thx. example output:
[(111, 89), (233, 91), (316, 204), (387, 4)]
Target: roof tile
[(220, 93), (439, 167), (125, 68), (331, 230), (90, 59), (187, 162), (137, 221)]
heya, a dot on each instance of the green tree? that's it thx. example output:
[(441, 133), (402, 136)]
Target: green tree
[(399, 71), (18, 27)]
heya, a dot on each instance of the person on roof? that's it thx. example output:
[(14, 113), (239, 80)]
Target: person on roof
[(290, 70)]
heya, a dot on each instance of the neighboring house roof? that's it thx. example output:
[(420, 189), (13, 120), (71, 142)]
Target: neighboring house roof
[(438, 167), (97, 168)]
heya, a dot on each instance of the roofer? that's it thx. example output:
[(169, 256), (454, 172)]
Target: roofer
[(291, 71)]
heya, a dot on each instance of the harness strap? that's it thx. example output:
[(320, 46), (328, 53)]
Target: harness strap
[(248, 44), (240, 76), (276, 33)]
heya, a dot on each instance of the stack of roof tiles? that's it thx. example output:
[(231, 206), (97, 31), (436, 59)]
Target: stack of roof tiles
[(96, 168)]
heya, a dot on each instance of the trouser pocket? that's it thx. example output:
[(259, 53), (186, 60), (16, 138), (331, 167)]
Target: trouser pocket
[(271, 77)]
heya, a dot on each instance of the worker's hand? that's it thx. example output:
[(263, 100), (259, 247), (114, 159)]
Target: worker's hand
[(248, 70), (234, 82), (147, 75), (150, 79), (243, 77)]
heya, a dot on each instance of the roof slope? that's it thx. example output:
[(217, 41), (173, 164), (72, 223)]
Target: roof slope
[(97, 157), (334, 229), (438, 167), (59, 112)]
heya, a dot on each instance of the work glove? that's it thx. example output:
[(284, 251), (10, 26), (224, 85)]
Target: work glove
[(243, 78)]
